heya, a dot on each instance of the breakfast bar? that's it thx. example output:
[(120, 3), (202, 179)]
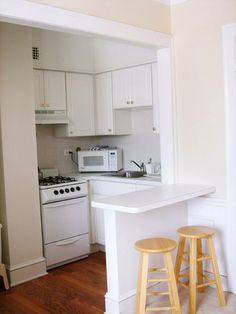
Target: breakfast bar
[(155, 212)]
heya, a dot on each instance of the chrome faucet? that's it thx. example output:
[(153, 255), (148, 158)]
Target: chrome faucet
[(141, 167)]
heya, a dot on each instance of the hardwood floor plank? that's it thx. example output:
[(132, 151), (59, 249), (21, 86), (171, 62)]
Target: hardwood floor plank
[(75, 288)]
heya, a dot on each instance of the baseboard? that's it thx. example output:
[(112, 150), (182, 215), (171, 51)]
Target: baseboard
[(27, 271)]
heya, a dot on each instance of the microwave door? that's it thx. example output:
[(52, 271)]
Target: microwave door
[(93, 161)]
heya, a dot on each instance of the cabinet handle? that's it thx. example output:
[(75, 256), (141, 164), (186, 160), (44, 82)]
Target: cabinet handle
[(127, 102), (154, 129), (71, 132), (109, 130), (132, 102)]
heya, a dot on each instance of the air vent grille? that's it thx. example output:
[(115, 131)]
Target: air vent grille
[(35, 53)]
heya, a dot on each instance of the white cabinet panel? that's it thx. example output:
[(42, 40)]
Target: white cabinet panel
[(38, 89), (132, 87), (80, 106), (155, 99), (104, 109), (54, 90), (109, 121)]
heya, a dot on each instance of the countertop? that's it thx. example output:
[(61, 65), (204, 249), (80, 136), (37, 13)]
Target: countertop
[(156, 197), (145, 180)]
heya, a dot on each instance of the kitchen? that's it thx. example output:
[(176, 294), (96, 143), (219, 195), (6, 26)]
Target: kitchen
[(22, 211)]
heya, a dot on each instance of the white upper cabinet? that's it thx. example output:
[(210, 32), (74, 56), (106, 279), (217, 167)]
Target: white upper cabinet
[(80, 106), (104, 110), (132, 87), (38, 90), (54, 90), (107, 121)]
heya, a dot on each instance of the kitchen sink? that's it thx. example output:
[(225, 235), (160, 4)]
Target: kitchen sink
[(125, 174)]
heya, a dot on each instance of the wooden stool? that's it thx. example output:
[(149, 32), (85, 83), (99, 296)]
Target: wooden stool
[(4, 276), (156, 246), (195, 234)]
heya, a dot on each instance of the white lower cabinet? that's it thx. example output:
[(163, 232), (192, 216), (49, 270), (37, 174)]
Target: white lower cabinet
[(99, 189)]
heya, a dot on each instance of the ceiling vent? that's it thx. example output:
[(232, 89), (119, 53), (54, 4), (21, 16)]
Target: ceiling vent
[(35, 53)]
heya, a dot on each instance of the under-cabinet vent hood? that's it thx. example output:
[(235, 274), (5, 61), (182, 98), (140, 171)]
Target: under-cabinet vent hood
[(51, 117)]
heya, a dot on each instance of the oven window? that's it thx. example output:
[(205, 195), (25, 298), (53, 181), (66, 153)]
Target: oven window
[(93, 161)]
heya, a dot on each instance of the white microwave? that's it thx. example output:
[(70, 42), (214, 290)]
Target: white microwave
[(107, 160)]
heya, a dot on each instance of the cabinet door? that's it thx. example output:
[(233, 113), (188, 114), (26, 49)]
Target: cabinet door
[(155, 99), (104, 110), (141, 86), (54, 90), (80, 104), (38, 90), (121, 86)]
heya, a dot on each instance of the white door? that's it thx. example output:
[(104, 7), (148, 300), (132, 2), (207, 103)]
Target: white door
[(121, 87), (80, 104), (54, 90), (141, 86), (104, 109), (65, 219), (38, 90)]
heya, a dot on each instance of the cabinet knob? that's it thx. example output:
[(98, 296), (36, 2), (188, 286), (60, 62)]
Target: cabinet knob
[(132, 102), (71, 132), (127, 102), (154, 129), (109, 130)]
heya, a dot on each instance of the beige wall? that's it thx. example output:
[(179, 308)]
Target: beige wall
[(143, 13), (20, 212), (197, 29)]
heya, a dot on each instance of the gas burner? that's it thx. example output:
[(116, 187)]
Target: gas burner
[(55, 180)]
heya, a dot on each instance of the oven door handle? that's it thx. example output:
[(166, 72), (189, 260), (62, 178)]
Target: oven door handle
[(67, 202), (67, 242)]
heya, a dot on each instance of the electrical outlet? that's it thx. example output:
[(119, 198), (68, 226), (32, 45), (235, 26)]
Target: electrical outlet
[(67, 152)]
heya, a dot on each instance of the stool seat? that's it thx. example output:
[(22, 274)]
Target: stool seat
[(155, 245), (196, 232)]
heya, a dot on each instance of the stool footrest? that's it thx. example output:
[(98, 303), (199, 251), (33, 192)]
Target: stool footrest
[(183, 275), (156, 269), (185, 285), (155, 293), (158, 309), (212, 282), (204, 258), (158, 279)]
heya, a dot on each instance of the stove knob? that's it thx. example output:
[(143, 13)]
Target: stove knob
[(72, 189), (55, 192), (61, 191), (78, 188), (67, 190)]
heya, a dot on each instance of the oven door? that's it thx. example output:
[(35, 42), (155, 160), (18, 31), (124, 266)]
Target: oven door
[(64, 219), (93, 161)]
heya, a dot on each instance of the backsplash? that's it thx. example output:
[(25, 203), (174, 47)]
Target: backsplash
[(140, 146)]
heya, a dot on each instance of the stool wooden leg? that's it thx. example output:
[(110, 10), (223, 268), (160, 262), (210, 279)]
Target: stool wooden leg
[(215, 268), (4, 275), (174, 297), (200, 265), (142, 285), (192, 276), (179, 257)]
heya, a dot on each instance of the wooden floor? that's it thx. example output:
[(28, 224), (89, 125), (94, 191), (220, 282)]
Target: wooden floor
[(77, 287)]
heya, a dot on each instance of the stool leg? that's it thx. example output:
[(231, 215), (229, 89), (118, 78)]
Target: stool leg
[(215, 268), (142, 285), (200, 265), (174, 297), (4, 275), (192, 276), (179, 257)]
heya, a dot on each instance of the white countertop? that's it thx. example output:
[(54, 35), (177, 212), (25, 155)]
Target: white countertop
[(156, 197)]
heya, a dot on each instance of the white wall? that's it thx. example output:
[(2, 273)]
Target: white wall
[(140, 146), (20, 211), (63, 51)]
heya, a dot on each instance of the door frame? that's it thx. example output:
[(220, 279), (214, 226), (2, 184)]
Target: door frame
[(32, 14), (229, 50)]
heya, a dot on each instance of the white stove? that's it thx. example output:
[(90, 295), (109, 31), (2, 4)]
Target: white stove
[(64, 209)]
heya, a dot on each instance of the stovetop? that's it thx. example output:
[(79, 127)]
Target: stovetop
[(48, 181)]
